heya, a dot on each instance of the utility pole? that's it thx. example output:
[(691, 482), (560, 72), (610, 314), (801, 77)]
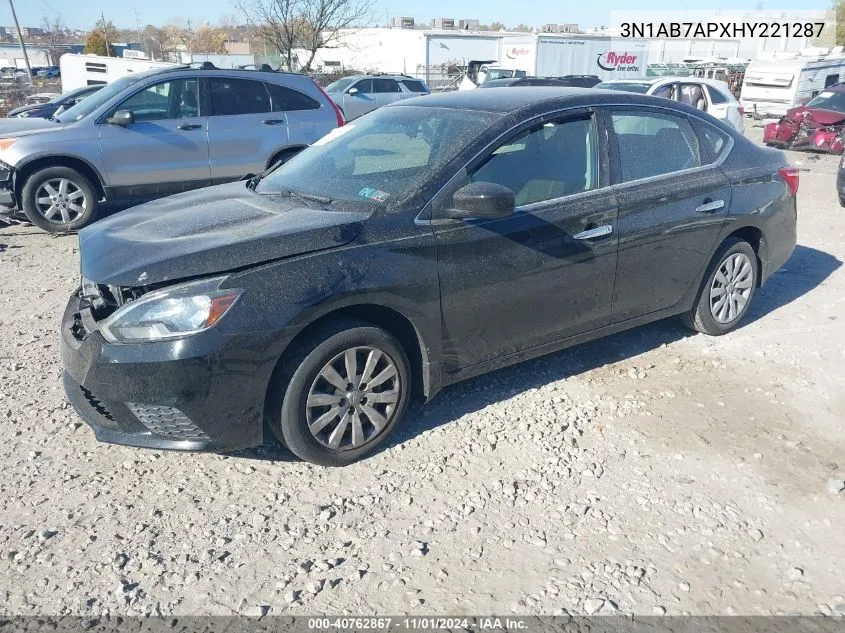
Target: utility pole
[(105, 31), (20, 39)]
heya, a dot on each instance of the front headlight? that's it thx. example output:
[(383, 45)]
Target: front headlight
[(180, 310)]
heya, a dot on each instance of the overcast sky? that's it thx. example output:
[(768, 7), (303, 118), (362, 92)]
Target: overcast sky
[(82, 14)]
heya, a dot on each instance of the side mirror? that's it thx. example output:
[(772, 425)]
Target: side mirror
[(352, 91), (121, 117), (482, 200)]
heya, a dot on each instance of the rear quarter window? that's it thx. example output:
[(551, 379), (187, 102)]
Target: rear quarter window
[(715, 95), (714, 142), (413, 85), (285, 99)]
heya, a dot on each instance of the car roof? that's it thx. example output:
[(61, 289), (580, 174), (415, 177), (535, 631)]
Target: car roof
[(397, 76), (509, 99)]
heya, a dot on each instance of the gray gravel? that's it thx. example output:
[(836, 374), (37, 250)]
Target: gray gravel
[(653, 472)]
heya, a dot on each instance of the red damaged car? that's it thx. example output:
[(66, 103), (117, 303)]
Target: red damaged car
[(819, 125)]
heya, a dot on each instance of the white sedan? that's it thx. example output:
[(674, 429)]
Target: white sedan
[(709, 95)]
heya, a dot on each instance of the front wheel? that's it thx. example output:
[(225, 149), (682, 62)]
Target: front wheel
[(346, 387), (59, 199), (726, 291)]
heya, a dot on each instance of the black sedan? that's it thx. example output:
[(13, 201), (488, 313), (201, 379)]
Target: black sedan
[(50, 108), (433, 240), (566, 81)]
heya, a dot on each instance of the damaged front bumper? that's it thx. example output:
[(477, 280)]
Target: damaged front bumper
[(7, 186), (790, 134), (194, 394)]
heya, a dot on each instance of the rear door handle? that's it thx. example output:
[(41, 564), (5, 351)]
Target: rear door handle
[(591, 234), (710, 206), (273, 121), (190, 126)]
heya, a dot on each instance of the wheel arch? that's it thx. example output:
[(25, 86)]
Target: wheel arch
[(757, 239), (84, 167), (291, 149), (387, 318)]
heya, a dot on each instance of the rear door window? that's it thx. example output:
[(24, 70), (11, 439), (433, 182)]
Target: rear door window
[(652, 144), (713, 141), (238, 96), (287, 99), (385, 85)]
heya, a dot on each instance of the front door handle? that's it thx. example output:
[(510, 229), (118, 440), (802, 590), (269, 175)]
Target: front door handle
[(591, 234), (710, 206), (273, 121), (190, 126)]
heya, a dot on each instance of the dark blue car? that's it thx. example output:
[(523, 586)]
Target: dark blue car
[(46, 110)]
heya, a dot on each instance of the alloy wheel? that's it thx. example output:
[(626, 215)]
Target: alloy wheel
[(353, 398), (60, 200), (731, 288)]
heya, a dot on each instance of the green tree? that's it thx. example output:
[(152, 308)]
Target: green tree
[(100, 41)]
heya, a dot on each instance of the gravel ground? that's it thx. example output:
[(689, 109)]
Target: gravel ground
[(651, 472)]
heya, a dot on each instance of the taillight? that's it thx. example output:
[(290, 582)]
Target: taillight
[(790, 177), (337, 112), (741, 111)]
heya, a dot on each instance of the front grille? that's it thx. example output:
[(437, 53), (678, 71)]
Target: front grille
[(167, 422), (97, 405)]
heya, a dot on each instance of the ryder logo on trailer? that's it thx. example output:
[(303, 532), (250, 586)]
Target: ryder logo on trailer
[(614, 61), (515, 52)]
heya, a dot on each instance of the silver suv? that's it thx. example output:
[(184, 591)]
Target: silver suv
[(359, 94), (156, 133)]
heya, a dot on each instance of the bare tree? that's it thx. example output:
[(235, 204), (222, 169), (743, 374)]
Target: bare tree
[(288, 25), (55, 35), (156, 42)]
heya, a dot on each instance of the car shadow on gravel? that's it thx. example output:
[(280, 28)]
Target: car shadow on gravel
[(805, 270)]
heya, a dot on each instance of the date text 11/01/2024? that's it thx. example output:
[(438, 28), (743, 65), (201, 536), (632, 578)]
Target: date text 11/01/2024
[(716, 30), (416, 623)]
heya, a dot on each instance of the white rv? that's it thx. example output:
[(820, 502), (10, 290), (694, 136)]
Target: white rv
[(773, 86), (90, 70)]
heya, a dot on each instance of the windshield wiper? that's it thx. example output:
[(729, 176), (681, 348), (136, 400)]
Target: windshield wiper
[(289, 193)]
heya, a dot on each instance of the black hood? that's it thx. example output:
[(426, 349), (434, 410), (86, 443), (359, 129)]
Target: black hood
[(207, 231)]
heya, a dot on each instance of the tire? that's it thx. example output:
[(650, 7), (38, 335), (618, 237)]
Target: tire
[(333, 443), (715, 317), (841, 201), (72, 198)]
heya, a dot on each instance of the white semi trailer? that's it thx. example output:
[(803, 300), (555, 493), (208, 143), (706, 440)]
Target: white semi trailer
[(545, 55)]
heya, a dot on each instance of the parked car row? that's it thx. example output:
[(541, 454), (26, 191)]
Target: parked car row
[(155, 133), (432, 240), (53, 105)]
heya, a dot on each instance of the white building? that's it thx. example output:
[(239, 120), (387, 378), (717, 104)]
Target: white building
[(10, 55)]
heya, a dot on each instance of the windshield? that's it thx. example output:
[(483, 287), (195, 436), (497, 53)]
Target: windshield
[(87, 106), (340, 85), (381, 159), (829, 101), (628, 86)]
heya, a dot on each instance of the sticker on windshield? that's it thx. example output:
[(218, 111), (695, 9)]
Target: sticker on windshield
[(335, 133), (826, 94), (374, 194)]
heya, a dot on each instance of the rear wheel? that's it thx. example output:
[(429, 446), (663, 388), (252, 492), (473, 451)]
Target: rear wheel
[(726, 291), (841, 200), (59, 199), (341, 393)]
